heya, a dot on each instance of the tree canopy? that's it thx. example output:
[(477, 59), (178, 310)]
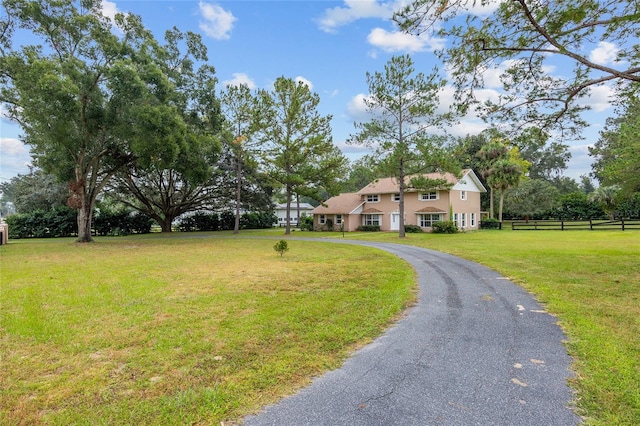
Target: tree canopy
[(520, 38), (86, 98), (298, 151), (617, 158)]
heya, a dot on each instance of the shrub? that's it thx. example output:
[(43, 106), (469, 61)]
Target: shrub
[(444, 227), (199, 221), (329, 225), (490, 223), (413, 229), (57, 222), (254, 220), (121, 222), (281, 247), (306, 223), (369, 228)]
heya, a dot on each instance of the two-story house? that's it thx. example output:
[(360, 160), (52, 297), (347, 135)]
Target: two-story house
[(378, 204)]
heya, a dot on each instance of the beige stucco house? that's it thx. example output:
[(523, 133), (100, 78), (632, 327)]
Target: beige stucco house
[(378, 202)]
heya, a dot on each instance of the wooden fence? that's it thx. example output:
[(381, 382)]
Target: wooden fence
[(566, 225)]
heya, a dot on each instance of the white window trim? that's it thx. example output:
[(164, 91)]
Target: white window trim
[(377, 198), (377, 216), (422, 194), (393, 198), (338, 219), (322, 219), (463, 195), (463, 220), (435, 217), (472, 220)]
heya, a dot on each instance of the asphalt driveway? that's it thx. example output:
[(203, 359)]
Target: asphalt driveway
[(475, 350)]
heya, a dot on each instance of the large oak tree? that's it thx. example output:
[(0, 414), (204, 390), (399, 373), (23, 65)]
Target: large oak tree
[(86, 96)]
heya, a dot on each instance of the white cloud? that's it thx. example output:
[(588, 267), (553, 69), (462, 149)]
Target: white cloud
[(605, 53), (303, 80), (354, 10), (399, 41), (239, 79), (599, 98), (14, 158), (357, 109), (109, 9), (12, 147), (217, 22)]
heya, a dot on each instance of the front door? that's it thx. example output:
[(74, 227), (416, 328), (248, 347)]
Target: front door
[(395, 221)]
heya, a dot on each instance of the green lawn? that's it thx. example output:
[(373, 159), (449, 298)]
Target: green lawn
[(151, 329)]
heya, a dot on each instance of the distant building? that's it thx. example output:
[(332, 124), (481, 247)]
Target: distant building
[(281, 213), (377, 205)]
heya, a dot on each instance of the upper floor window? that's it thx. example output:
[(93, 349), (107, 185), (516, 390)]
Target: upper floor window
[(425, 196), (373, 198), (395, 197), (463, 195)]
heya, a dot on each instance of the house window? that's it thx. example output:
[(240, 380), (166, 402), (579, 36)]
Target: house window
[(373, 198), (463, 220), (322, 220), (463, 195), (427, 220), (396, 198), (371, 219), (472, 218), (455, 218), (338, 219), (426, 196)]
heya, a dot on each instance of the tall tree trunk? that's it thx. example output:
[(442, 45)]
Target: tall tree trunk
[(401, 232), (165, 224), (501, 204), (85, 218), (236, 226), (287, 229), (491, 215), (298, 208)]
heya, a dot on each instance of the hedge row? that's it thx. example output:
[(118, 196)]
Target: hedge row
[(225, 221), (62, 222)]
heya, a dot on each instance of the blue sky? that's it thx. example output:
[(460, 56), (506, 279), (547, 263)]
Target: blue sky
[(328, 44)]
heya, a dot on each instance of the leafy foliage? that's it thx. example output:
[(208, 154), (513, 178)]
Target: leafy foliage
[(403, 106), (56, 222), (298, 152), (519, 38), (444, 227), (34, 191), (281, 247), (616, 152)]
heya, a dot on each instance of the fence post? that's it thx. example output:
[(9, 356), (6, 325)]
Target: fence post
[(562, 225), (590, 224), (622, 220)]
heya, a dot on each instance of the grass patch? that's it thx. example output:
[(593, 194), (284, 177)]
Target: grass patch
[(154, 330)]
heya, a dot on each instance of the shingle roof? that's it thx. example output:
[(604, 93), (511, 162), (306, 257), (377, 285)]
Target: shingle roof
[(371, 210), (430, 210), (340, 204), (390, 185)]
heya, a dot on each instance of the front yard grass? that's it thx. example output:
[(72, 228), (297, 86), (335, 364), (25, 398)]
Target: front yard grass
[(155, 330), (203, 330)]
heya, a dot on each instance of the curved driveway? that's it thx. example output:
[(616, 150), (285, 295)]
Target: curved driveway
[(475, 350)]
